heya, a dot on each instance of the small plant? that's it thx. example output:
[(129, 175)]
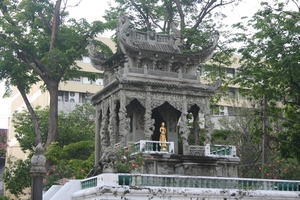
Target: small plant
[(130, 159)]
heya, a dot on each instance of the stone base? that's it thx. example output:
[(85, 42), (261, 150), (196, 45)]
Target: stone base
[(193, 166)]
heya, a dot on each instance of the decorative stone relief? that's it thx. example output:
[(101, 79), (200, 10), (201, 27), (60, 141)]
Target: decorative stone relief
[(175, 104), (156, 103), (161, 65), (107, 161)]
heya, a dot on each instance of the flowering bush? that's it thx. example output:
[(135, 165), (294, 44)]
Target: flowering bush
[(60, 172), (282, 169), (129, 159)]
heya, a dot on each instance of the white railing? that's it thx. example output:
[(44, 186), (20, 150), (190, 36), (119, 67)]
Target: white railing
[(155, 147), (220, 150), (213, 150)]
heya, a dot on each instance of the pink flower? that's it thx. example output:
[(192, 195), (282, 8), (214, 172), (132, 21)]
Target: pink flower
[(152, 157), (275, 177), (143, 163), (270, 165), (278, 161), (82, 170), (126, 150), (44, 180), (47, 174), (268, 174), (136, 166), (53, 169), (132, 164), (259, 168)]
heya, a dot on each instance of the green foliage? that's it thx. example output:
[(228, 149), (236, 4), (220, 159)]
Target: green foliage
[(270, 67), (73, 161), (129, 159), (4, 198), (71, 156), (72, 127), (16, 175)]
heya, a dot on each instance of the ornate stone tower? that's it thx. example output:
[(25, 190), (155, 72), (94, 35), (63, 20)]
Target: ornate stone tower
[(149, 81)]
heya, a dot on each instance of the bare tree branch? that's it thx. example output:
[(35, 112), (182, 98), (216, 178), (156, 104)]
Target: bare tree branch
[(207, 9), (55, 24), (143, 14), (181, 14)]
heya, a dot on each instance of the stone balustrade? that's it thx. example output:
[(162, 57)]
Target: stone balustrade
[(134, 71), (203, 186)]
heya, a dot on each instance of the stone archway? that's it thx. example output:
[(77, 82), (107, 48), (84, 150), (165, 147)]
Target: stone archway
[(169, 115)]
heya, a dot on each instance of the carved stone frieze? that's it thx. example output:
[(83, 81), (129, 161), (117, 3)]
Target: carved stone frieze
[(156, 103), (176, 104)]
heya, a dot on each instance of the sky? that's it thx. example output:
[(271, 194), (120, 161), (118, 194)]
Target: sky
[(94, 10)]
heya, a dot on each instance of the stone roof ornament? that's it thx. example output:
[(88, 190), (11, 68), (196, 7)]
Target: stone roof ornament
[(176, 35), (97, 58)]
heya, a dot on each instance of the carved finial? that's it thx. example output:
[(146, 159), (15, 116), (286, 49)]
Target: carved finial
[(39, 150)]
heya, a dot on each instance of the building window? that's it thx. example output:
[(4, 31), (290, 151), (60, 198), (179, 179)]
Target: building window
[(75, 79), (99, 81), (230, 72), (86, 59), (84, 97), (86, 80), (232, 92), (60, 96), (66, 95)]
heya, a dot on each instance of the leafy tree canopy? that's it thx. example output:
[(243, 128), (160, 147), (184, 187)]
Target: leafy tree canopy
[(270, 67), (39, 42)]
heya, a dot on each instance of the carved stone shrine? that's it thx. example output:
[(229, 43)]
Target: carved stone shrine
[(149, 81)]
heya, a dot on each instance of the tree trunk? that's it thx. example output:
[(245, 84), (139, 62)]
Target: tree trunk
[(35, 122), (53, 116)]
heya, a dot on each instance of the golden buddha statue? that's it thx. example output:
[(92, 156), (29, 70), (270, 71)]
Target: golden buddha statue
[(163, 137)]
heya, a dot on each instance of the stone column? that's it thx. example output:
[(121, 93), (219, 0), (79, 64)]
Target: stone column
[(184, 129), (207, 123), (148, 123), (123, 122), (97, 137), (37, 172), (112, 123), (103, 130)]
